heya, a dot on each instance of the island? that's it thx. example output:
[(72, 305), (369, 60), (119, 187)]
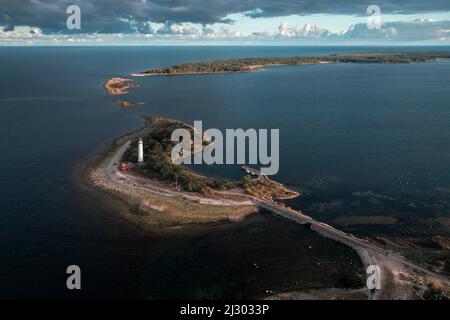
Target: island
[(252, 64), (119, 86)]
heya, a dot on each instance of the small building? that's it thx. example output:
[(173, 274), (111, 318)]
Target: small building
[(126, 166)]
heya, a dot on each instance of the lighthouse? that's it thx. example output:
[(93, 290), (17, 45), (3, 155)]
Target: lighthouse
[(140, 151)]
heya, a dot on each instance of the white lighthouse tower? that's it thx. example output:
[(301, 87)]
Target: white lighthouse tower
[(140, 151)]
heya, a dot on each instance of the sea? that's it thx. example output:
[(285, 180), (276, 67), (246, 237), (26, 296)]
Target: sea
[(367, 145)]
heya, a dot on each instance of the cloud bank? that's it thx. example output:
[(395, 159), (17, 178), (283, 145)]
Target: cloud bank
[(419, 30), (135, 16)]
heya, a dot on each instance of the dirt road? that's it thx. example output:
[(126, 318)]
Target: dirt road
[(400, 278)]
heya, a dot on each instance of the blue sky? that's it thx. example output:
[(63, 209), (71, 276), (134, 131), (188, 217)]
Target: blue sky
[(292, 22)]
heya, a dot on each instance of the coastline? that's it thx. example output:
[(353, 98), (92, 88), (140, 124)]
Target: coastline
[(248, 69), (237, 65)]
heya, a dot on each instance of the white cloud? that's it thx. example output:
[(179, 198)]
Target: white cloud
[(177, 28), (307, 31), (419, 30)]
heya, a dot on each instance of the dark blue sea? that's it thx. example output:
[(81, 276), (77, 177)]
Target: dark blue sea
[(358, 140)]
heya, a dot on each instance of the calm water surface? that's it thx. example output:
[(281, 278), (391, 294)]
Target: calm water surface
[(357, 139)]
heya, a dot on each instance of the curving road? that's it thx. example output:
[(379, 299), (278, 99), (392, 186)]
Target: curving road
[(370, 253)]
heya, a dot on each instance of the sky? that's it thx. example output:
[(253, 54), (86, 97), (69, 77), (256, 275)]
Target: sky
[(190, 22)]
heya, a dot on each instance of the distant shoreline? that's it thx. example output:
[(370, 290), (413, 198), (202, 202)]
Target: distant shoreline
[(253, 64), (248, 69)]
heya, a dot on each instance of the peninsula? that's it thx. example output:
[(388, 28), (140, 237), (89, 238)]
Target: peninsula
[(252, 64)]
